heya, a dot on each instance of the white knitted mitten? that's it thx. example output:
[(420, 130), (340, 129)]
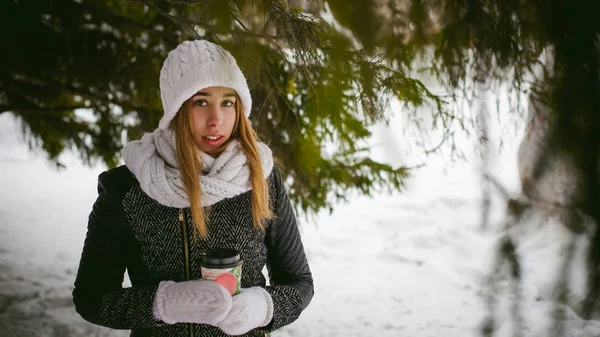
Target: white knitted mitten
[(250, 309), (198, 301)]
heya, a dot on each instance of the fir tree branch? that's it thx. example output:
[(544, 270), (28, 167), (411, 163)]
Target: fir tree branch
[(119, 19), (36, 109), (44, 81), (187, 21)]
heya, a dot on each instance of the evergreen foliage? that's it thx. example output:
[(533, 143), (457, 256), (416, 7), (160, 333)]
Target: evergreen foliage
[(311, 84)]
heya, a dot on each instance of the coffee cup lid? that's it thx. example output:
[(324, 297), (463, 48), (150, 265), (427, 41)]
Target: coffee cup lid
[(221, 258)]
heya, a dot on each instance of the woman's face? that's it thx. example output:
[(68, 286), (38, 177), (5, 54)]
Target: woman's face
[(213, 117)]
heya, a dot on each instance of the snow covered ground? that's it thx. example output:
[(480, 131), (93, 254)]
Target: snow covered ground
[(406, 264)]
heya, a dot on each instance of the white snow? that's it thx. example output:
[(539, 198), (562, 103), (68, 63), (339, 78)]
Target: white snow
[(406, 264)]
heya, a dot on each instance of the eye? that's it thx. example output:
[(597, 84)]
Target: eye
[(227, 104), (200, 102)]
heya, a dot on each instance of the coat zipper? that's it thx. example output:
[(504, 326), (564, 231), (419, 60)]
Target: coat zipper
[(185, 245), (186, 252)]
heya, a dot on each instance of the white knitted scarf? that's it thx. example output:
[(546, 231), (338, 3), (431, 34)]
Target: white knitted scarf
[(154, 163)]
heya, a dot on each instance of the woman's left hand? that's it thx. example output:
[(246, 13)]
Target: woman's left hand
[(250, 309)]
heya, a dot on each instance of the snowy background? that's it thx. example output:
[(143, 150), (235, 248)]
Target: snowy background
[(406, 264)]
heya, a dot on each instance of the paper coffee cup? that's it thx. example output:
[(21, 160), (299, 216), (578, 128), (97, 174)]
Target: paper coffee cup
[(224, 266)]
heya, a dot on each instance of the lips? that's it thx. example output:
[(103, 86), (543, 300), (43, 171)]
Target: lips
[(212, 139)]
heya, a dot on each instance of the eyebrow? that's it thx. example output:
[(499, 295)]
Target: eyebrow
[(208, 94)]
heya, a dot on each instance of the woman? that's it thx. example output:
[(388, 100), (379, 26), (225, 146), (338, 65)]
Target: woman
[(200, 181)]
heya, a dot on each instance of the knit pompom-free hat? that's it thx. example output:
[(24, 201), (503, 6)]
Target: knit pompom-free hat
[(193, 66)]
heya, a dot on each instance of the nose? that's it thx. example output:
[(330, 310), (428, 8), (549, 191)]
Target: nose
[(215, 116)]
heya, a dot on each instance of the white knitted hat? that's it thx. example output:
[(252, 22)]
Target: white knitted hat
[(193, 66)]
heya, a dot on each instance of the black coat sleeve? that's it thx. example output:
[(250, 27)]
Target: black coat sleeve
[(98, 294), (291, 282)]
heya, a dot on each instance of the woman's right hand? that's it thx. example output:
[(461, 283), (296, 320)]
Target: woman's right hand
[(198, 301)]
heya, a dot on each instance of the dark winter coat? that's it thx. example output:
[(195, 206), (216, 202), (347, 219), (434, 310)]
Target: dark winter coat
[(128, 230)]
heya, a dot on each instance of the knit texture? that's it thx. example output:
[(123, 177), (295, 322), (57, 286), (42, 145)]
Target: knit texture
[(250, 309), (153, 161), (193, 66), (198, 301), (130, 231)]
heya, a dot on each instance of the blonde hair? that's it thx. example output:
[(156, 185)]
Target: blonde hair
[(190, 164)]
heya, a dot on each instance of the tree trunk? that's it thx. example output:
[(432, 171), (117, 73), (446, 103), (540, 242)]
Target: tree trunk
[(560, 179)]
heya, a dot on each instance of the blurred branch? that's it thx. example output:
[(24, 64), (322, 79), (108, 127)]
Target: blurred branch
[(34, 109), (44, 81), (119, 19), (187, 21)]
